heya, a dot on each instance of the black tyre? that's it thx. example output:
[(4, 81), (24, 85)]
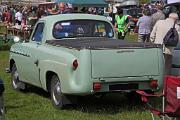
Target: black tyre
[(134, 98), (2, 108), (16, 84), (56, 94), (100, 95)]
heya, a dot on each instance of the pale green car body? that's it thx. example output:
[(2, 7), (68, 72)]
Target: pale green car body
[(36, 62)]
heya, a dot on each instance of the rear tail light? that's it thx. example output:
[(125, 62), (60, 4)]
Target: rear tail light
[(75, 64), (144, 99), (153, 84), (97, 86)]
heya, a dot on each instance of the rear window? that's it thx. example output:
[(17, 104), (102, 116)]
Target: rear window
[(82, 28)]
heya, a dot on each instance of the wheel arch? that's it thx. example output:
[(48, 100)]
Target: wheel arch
[(49, 75), (12, 62)]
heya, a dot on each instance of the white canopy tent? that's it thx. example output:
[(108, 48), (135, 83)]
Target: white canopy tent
[(34, 2), (124, 2), (172, 1)]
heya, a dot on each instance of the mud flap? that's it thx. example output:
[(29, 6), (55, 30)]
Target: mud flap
[(69, 99)]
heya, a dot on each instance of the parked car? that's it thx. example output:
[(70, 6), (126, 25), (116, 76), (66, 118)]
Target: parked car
[(133, 14), (173, 7), (77, 54)]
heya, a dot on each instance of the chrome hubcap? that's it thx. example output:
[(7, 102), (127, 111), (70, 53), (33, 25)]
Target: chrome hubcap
[(57, 94), (15, 79)]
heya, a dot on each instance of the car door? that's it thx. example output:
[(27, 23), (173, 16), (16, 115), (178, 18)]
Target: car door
[(176, 61), (33, 49)]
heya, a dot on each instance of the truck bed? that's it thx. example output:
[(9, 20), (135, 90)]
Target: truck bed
[(99, 43)]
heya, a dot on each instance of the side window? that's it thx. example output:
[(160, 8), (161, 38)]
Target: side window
[(38, 33)]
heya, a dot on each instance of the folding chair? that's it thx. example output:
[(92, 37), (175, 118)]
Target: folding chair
[(170, 99)]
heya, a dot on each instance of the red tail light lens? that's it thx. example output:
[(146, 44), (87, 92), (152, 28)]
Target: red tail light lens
[(75, 64), (144, 99), (97, 86), (153, 84)]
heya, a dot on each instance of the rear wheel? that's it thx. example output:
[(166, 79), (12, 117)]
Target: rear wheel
[(56, 94)]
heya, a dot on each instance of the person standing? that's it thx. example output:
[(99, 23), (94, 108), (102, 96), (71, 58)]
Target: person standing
[(113, 14), (159, 15), (158, 33), (144, 26), (18, 17), (121, 23), (40, 12), (60, 10)]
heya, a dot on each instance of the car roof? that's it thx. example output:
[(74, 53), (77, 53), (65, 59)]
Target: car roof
[(62, 17)]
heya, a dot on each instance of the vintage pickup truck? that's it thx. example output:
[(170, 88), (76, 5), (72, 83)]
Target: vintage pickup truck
[(77, 54)]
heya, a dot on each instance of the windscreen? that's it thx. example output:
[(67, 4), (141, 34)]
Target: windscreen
[(82, 28), (172, 9), (135, 13)]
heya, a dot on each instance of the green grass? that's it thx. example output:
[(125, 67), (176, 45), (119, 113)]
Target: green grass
[(36, 105), (5, 45), (131, 36)]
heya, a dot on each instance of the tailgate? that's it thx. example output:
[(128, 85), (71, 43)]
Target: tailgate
[(113, 63)]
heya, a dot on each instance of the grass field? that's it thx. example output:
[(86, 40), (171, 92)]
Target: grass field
[(36, 105)]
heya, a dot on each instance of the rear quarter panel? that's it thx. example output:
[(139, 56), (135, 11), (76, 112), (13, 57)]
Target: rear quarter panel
[(60, 61)]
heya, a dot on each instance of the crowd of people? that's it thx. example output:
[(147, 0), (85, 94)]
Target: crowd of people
[(152, 27), (20, 19), (28, 14), (150, 15)]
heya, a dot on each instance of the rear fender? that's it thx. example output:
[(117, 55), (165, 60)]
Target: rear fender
[(56, 67)]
